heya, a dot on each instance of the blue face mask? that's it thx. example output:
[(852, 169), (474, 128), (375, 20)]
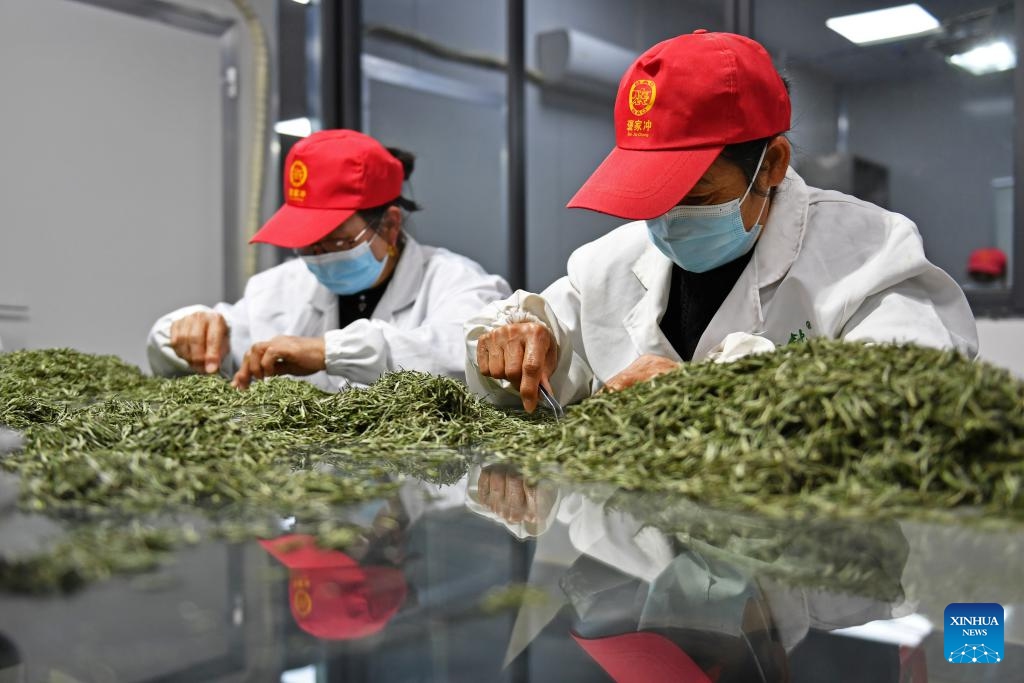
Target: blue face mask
[(701, 238), (346, 272)]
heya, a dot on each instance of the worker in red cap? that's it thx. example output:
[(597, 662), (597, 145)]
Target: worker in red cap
[(729, 252), (362, 298)]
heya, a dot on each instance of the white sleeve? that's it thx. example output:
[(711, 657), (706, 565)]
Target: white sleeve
[(163, 361), (557, 308), (614, 537), (905, 314), (910, 300), (364, 350)]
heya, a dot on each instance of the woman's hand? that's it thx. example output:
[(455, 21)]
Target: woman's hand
[(202, 339), (523, 353), (647, 366), (282, 355)]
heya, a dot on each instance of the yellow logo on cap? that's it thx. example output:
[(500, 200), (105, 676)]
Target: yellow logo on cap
[(641, 97), (301, 599), (297, 176), (298, 173)]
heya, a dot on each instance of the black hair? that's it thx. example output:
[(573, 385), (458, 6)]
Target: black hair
[(374, 214), (747, 154)]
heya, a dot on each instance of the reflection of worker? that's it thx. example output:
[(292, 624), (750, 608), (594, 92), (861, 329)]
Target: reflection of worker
[(987, 267), (642, 611), (725, 610), (726, 239), (363, 297)]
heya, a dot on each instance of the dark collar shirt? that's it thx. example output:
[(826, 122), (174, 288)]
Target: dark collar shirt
[(352, 307), (693, 301)]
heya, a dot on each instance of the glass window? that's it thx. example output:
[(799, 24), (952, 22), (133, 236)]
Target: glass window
[(922, 124)]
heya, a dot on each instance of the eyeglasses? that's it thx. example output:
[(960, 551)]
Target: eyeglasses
[(333, 245)]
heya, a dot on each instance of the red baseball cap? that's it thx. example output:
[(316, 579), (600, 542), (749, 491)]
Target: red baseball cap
[(328, 177), (331, 596), (988, 261), (642, 657), (678, 105)]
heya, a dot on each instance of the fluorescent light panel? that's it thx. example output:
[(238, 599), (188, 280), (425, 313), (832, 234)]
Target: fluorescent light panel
[(298, 128), (986, 59), (884, 25)]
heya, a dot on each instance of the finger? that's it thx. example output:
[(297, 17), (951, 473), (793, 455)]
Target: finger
[(197, 343), (255, 360), (183, 341), (179, 342), (242, 377), (511, 512), (533, 365), (614, 384), (482, 345), (515, 499), (496, 491), (528, 391), (215, 338), (496, 362), (269, 362), (514, 362), (483, 485), (530, 494)]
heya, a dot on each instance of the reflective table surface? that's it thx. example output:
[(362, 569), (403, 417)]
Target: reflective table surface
[(492, 579)]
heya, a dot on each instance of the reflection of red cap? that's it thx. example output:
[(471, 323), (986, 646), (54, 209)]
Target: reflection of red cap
[(331, 596), (328, 177), (987, 261), (678, 105), (642, 657)]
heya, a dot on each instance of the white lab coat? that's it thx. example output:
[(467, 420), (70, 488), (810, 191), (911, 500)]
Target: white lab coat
[(417, 325), (826, 264)]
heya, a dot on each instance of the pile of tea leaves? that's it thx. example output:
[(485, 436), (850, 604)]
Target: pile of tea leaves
[(136, 444), (820, 428), (816, 428), (102, 442)]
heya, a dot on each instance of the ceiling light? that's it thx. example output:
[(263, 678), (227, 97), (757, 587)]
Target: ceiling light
[(302, 2), (884, 25), (297, 128), (986, 59)]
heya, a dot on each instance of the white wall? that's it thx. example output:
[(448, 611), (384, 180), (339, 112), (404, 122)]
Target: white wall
[(112, 182)]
